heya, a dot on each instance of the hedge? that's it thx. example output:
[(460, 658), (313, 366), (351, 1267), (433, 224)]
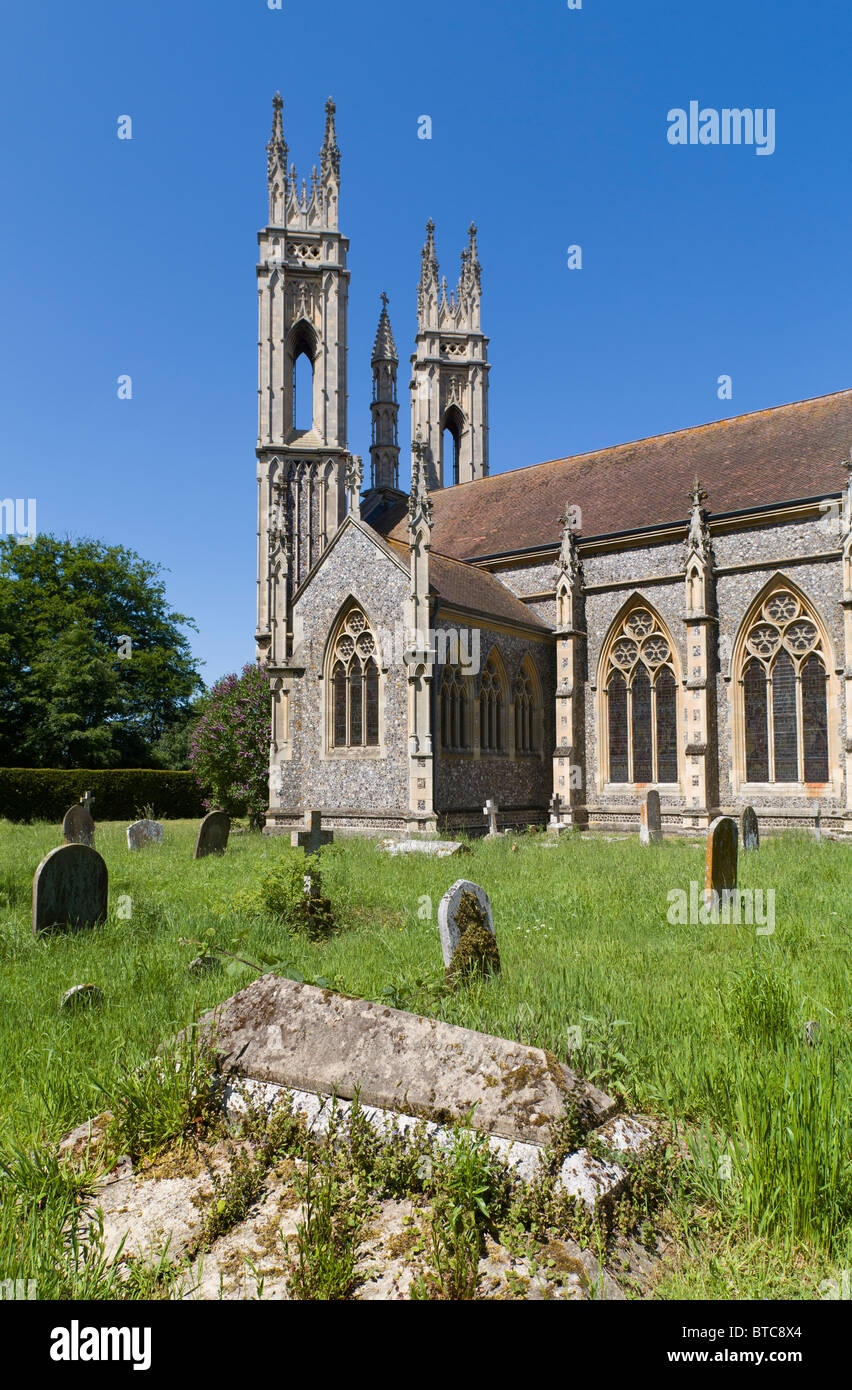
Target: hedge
[(29, 793)]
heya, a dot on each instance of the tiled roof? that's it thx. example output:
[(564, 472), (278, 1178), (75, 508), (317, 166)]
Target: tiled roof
[(785, 454), (465, 586)]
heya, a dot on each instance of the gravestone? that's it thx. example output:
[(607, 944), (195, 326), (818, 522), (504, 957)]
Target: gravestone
[(721, 872), (490, 810), (448, 912), (555, 808), (81, 997), (69, 889), (750, 829), (650, 827), (78, 828), (144, 832), (313, 839), (212, 834), (818, 825)]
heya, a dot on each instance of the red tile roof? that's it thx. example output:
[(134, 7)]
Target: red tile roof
[(466, 586), (785, 454)]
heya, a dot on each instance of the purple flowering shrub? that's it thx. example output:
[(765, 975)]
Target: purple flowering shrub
[(229, 748)]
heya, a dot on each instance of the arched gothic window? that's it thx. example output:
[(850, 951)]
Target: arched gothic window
[(641, 702), (491, 707), (354, 685), (526, 710), (455, 712), (785, 710)]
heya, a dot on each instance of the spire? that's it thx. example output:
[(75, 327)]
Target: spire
[(419, 501), (384, 348), (568, 563), (276, 164), (330, 153), (428, 288), (698, 539)]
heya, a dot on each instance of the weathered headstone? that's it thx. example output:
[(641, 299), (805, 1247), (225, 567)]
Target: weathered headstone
[(81, 997), (650, 826), (490, 810), (720, 875), (448, 912), (69, 889), (212, 834), (818, 825), (144, 832), (555, 808), (312, 839), (750, 829), (78, 828)]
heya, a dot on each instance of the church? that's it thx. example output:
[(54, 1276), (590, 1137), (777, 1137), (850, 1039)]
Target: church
[(672, 613)]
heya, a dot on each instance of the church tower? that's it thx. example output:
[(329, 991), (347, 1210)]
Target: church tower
[(449, 377), (302, 451)]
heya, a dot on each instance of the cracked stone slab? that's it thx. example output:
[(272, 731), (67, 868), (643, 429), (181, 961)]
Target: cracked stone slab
[(436, 849), (314, 1040), (595, 1179)]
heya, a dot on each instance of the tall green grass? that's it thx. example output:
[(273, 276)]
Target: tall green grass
[(700, 1023)]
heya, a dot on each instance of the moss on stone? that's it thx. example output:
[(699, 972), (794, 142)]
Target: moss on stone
[(476, 953)]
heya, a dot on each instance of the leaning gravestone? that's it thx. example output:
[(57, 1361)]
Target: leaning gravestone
[(212, 834), (144, 832), (721, 872), (78, 828), (650, 828), (69, 889), (448, 909), (749, 829)]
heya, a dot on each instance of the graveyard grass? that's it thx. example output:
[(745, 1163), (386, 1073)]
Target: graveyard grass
[(700, 1025)]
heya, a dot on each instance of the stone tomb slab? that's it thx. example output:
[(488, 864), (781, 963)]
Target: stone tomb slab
[(69, 889), (750, 829), (78, 828), (213, 834), (144, 832), (437, 849), (303, 1038), (448, 911)]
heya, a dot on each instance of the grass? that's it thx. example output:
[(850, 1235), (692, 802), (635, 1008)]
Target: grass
[(701, 1024)]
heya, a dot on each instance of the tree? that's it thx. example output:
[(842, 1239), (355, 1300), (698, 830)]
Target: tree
[(94, 667), (229, 748)]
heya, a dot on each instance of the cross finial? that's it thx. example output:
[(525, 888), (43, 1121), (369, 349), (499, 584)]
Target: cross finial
[(384, 300), (697, 496)]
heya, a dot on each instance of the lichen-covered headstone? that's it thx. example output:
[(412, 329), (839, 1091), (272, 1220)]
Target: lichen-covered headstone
[(448, 910), (213, 834), (144, 832), (69, 889), (78, 828), (721, 866), (312, 839), (750, 829), (650, 827)]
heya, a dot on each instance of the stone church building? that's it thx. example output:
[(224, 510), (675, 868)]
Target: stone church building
[(670, 613)]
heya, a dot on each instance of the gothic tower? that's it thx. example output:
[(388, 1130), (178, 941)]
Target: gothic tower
[(301, 447), (384, 407), (449, 377)]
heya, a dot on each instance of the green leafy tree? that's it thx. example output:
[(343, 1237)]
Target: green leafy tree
[(229, 748), (94, 667)]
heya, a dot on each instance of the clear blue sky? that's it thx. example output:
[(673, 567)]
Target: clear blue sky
[(549, 128)]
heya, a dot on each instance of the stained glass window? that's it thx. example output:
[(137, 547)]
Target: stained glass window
[(784, 691), (354, 685), (642, 703)]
